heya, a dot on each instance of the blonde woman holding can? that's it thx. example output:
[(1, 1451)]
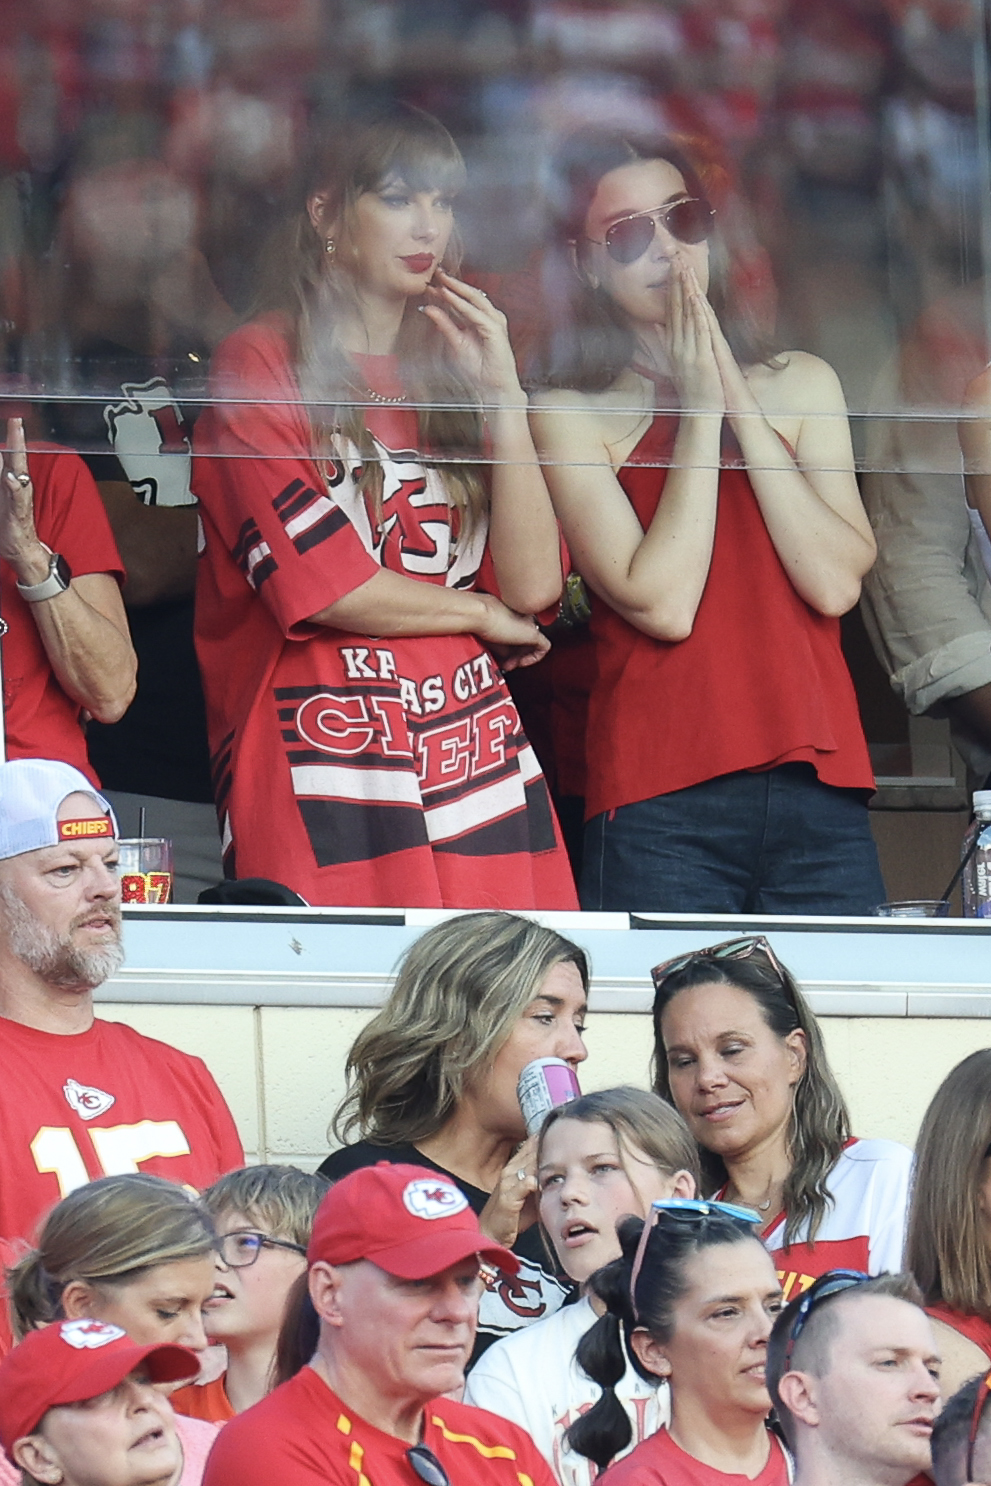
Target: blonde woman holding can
[(433, 1082)]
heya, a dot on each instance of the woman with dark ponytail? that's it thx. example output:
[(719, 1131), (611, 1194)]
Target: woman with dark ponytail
[(693, 1297)]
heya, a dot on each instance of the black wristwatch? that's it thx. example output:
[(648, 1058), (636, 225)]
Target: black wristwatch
[(58, 580)]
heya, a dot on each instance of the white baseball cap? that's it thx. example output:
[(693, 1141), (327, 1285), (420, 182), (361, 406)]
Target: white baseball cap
[(31, 791)]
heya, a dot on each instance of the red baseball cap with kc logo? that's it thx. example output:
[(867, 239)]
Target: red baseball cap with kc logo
[(70, 1361), (410, 1221)]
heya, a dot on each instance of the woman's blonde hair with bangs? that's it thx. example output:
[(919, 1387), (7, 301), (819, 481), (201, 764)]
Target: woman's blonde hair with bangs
[(316, 291)]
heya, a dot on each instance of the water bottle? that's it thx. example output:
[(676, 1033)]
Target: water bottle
[(977, 872)]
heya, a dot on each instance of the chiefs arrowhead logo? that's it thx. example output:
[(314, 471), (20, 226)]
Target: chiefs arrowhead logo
[(88, 1335), (85, 1100), (433, 1199)]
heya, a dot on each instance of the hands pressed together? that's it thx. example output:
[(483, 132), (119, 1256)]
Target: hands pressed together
[(705, 371)]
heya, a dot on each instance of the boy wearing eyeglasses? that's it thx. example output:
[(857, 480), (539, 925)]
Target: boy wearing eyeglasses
[(853, 1371), (263, 1216), (395, 1263)]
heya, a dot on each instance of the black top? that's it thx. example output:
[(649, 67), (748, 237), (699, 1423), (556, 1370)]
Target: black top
[(537, 1291)]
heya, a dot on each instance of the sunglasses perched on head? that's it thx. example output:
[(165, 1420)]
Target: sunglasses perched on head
[(730, 949), (689, 220), (685, 1210), (833, 1282)]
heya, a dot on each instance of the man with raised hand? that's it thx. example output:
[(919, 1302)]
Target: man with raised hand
[(394, 1276), (81, 1097), (853, 1371)]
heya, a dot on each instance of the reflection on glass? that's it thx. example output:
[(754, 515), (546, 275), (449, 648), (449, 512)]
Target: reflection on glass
[(150, 157)]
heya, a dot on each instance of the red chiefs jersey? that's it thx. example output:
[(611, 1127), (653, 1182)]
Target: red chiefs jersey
[(303, 1435), (101, 1103), (40, 719), (357, 770)]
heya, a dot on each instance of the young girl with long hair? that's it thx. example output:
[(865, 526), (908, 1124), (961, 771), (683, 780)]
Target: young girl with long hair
[(601, 1158), (368, 485), (707, 494)]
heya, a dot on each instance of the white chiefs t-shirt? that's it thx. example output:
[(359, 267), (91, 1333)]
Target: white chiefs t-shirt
[(532, 1379), (865, 1226)]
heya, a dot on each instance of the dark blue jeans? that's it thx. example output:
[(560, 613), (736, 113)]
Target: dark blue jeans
[(776, 842)]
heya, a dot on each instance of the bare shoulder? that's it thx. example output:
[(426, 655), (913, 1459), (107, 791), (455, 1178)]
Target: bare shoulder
[(796, 382), (589, 421), (977, 397)]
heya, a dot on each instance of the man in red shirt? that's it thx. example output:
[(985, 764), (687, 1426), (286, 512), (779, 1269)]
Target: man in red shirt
[(394, 1263), (853, 1371), (80, 1097)]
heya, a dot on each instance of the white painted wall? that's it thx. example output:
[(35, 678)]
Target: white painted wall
[(282, 1068)]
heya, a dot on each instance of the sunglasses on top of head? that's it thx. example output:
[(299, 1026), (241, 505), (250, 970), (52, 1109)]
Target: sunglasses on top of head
[(689, 220)]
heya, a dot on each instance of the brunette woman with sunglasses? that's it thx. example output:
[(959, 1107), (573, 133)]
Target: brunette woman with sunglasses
[(692, 1299), (707, 494), (739, 1053)]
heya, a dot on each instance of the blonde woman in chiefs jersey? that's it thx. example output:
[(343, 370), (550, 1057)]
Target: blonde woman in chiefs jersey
[(378, 537)]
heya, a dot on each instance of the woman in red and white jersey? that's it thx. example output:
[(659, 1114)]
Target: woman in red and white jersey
[(377, 531), (738, 1051), (948, 1247), (693, 1297)]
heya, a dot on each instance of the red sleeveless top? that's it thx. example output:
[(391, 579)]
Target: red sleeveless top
[(760, 681)]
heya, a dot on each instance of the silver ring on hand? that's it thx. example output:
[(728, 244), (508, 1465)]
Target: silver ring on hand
[(521, 1174), (23, 479)]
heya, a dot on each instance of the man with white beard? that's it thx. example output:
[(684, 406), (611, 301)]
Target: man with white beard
[(80, 1097)]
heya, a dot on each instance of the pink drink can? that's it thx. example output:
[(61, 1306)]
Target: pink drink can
[(543, 1085)]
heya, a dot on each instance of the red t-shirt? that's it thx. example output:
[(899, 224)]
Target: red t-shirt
[(40, 720), (660, 1462), (204, 1401), (303, 1435), (356, 770), (760, 681), (101, 1103)]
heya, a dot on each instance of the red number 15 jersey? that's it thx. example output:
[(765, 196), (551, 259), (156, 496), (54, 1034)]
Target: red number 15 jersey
[(101, 1103)]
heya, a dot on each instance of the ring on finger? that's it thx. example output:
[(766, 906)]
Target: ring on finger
[(22, 479), (521, 1175)]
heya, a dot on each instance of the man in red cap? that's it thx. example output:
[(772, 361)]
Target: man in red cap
[(394, 1275), (126, 1434)]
